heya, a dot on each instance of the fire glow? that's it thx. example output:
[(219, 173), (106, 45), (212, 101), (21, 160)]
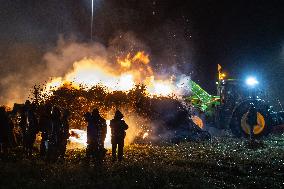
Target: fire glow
[(123, 75), (127, 72), (78, 138)]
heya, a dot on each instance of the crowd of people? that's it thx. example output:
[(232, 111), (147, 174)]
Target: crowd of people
[(31, 119), (53, 124)]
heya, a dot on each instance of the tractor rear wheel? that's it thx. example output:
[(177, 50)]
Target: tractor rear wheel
[(240, 127)]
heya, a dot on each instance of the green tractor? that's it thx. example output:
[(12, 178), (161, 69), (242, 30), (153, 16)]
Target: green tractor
[(238, 106)]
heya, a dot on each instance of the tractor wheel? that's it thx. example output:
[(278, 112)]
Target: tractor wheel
[(240, 127)]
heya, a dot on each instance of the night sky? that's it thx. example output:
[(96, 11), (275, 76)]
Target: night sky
[(245, 37)]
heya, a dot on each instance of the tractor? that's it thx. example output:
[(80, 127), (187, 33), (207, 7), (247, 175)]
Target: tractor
[(237, 102)]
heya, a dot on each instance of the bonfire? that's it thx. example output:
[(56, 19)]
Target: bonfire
[(154, 109)]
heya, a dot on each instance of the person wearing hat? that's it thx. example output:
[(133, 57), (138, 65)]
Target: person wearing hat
[(118, 127)]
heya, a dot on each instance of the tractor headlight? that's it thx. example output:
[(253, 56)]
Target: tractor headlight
[(251, 81)]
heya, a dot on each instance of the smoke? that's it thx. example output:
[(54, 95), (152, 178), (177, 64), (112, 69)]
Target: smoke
[(119, 27), (20, 70), (29, 66), (137, 124), (25, 66), (59, 61)]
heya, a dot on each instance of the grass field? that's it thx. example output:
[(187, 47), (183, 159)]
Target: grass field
[(220, 163)]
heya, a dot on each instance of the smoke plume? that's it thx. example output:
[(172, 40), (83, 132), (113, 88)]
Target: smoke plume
[(31, 67)]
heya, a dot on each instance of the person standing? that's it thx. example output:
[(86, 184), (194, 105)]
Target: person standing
[(252, 121), (91, 136), (101, 129), (30, 127), (64, 133), (118, 128), (53, 138), (45, 125), (5, 131)]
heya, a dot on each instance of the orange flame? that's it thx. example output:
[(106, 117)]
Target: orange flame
[(131, 70), (139, 57)]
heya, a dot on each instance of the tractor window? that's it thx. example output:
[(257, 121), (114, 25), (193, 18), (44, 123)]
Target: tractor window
[(231, 92)]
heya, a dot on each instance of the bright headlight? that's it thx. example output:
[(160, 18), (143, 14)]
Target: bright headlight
[(251, 81)]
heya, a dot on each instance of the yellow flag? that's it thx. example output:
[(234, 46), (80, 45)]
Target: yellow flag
[(219, 68)]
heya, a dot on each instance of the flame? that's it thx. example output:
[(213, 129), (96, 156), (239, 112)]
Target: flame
[(125, 62), (78, 138), (145, 135), (108, 136), (159, 87), (139, 57), (123, 76)]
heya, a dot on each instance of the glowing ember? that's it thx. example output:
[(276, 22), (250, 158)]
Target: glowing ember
[(145, 135)]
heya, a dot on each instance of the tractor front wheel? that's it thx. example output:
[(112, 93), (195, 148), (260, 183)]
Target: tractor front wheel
[(239, 123)]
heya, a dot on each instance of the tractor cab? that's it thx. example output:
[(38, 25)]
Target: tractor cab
[(234, 91), (229, 92), (237, 100)]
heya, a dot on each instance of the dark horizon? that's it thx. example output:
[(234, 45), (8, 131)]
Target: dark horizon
[(193, 36)]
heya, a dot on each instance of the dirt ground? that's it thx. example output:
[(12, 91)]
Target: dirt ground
[(223, 162)]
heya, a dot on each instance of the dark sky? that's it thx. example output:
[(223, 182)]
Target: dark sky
[(243, 36)]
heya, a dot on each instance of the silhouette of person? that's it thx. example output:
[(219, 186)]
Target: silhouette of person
[(91, 136), (5, 131), (101, 129), (118, 127), (53, 138), (63, 133), (29, 126), (252, 120), (45, 125)]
